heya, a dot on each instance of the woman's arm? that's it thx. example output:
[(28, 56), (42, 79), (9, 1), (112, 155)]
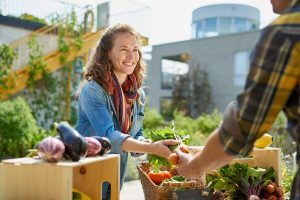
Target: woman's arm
[(159, 148)]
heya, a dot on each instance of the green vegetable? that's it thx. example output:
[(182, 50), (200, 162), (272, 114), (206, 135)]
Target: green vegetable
[(178, 178), (240, 180), (163, 134)]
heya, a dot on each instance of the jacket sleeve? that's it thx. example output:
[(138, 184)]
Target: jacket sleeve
[(92, 102)]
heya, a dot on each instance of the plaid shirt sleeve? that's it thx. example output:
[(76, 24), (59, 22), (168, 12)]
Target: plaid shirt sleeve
[(273, 76)]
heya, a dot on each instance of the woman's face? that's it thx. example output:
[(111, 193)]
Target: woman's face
[(280, 5), (124, 54)]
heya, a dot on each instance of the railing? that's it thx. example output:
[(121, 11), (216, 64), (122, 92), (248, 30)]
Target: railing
[(47, 36)]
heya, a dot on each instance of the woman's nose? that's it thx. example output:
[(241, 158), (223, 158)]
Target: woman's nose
[(130, 54)]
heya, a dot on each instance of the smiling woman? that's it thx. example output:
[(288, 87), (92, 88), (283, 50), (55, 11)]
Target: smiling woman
[(111, 101)]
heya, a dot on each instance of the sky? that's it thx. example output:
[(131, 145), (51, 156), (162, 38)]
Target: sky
[(162, 21), (171, 19)]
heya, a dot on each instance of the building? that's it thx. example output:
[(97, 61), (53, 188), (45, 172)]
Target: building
[(222, 53), (214, 20)]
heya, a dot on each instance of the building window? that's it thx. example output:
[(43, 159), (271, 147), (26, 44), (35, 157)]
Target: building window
[(241, 67), (194, 30), (200, 30), (239, 25), (225, 25), (211, 27), (170, 69)]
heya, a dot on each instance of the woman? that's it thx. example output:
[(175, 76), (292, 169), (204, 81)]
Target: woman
[(111, 101)]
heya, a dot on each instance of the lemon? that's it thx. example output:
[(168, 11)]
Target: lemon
[(264, 141)]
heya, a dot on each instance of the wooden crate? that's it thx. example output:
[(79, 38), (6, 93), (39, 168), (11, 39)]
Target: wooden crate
[(30, 178), (265, 158)]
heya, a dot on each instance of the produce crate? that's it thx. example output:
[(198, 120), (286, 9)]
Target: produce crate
[(165, 191), (31, 178), (264, 158)]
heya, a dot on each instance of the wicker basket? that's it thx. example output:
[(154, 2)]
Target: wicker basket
[(163, 192)]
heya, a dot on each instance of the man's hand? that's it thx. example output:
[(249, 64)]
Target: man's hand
[(185, 165)]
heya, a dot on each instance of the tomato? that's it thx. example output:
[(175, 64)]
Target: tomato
[(184, 149), (173, 159), (167, 174), (157, 178)]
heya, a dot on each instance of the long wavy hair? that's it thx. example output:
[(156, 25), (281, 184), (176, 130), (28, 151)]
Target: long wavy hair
[(99, 68)]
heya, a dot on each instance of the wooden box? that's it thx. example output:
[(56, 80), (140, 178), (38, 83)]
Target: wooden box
[(265, 158), (31, 178)]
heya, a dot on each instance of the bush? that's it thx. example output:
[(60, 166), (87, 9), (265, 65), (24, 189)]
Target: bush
[(152, 120), (18, 129), (281, 137), (199, 128), (207, 123)]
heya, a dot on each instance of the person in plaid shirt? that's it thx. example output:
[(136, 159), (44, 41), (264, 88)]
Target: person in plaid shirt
[(273, 85)]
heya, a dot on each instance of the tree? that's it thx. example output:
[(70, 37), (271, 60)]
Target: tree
[(192, 92)]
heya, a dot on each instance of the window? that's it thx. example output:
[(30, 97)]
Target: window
[(239, 25), (194, 30), (225, 25), (241, 67), (211, 27), (169, 71), (200, 32)]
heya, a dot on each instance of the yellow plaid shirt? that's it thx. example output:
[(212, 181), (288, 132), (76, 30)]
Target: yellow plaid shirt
[(273, 85)]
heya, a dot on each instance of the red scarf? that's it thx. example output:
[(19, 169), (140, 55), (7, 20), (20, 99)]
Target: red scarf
[(129, 88)]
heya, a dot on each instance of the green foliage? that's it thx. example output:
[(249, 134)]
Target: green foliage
[(18, 129), (7, 56), (152, 120), (288, 171), (69, 28), (198, 128), (281, 137), (207, 123), (29, 17), (240, 180), (37, 65), (162, 134)]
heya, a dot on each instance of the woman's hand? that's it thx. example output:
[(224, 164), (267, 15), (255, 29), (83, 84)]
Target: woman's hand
[(161, 148)]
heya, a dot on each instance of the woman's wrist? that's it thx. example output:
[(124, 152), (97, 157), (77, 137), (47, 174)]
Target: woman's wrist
[(150, 147)]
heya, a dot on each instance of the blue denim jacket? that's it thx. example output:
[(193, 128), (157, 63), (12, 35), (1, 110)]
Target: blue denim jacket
[(97, 116)]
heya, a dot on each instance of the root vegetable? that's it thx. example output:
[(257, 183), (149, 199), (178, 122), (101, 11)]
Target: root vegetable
[(270, 188), (51, 149), (93, 146), (173, 159)]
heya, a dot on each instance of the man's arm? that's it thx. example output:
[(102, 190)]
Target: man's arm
[(211, 157)]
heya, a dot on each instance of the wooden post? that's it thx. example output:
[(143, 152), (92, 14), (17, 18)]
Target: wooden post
[(68, 96)]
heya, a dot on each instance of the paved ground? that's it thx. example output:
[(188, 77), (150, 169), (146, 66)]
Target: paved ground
[(132, 190)]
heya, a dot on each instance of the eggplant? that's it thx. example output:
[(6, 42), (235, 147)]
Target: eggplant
[(105, 144), (75, 144)]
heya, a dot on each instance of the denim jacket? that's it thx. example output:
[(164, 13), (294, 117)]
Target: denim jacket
[(97, 116)]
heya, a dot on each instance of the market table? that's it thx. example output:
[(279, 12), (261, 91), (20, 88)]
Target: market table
[(32, 178)]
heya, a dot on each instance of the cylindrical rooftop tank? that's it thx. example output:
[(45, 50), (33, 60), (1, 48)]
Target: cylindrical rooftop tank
[(221, 19)]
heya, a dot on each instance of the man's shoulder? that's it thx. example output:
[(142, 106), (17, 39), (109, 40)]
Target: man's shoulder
[(286, 19)]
